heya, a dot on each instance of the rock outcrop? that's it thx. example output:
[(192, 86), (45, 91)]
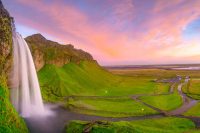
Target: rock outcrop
[(48, 52)]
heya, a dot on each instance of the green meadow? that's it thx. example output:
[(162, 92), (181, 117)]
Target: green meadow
[(163, 125), (90, 79), (160, 73), (109, 107), (164, 102)]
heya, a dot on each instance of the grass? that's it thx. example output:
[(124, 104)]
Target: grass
[(163, 125), (192, 89), (10, 121), (183, 80), (88, 78), (164, 102), (109, 107), (160, 73)]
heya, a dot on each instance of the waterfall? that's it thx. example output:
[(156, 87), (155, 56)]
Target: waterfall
[(25, 94)]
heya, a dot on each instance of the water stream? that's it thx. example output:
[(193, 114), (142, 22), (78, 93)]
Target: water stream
[(186, 105)]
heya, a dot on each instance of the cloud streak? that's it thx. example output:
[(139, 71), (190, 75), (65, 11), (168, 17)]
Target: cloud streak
[(114, 30)]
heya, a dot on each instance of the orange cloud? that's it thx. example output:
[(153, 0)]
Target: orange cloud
[(125, 30)]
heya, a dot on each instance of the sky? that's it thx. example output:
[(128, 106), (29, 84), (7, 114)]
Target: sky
[(116, 32)]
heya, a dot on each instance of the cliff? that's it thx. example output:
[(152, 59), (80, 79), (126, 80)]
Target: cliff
[(5, 39), (48, 52), (10, 121)]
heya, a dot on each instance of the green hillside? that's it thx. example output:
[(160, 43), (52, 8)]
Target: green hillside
[(72, 79), (10, 121), (162, 125), (89, 78)]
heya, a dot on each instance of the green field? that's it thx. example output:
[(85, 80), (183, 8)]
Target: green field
[(155, 73), (109, 107), (88, 78), (192, 89), (163, 125), (164, 102)]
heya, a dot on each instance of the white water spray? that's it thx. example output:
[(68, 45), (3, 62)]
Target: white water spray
[(25, 95)]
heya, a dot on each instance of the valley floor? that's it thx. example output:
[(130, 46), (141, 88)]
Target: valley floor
[(131, 93)]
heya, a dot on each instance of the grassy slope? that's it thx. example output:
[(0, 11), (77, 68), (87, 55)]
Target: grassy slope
[(192, 89), (163, 125), (90, 79), (110, 107), (10, 121), (164, 102)]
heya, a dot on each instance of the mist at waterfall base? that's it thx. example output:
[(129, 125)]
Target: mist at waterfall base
[(25, 94)]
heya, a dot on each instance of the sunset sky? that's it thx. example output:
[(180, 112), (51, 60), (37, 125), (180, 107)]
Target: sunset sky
[(116, 32)]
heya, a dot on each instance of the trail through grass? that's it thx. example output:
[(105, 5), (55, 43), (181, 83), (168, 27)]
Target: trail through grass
[(164, 102)]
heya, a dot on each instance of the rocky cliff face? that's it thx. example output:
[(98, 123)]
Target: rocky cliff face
[(5, 39), (48, 52), (10, 121)]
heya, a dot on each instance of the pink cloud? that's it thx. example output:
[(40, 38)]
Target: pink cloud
[(124, 30)]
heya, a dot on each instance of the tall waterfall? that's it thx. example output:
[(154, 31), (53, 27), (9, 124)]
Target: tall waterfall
[(25, 93)]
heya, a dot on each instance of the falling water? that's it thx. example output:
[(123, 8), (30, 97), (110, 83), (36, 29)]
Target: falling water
[(25, 93)]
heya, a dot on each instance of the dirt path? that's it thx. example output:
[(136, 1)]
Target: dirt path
[(186, 105), (186, 101), (135, 97)]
